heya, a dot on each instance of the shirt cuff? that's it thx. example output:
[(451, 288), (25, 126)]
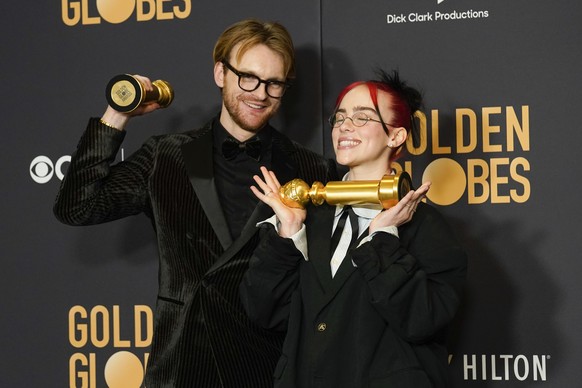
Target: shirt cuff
[(299, 239), (393, 230), (386, 229)]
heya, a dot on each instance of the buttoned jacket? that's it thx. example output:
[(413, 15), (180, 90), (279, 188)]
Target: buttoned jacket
[(380, 322)]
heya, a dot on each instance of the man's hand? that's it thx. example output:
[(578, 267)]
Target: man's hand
[(118, 120)]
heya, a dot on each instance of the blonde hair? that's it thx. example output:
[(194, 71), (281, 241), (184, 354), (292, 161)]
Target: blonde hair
[(251, 32)]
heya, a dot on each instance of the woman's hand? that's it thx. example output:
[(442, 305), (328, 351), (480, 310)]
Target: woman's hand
[(403, 211), (291, 219)]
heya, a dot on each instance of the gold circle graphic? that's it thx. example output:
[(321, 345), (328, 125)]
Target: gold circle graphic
[(123, 93), (115, 11), (124, 370), (448, 181)]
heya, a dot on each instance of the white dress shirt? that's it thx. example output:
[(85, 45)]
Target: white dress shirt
[(365, 216), (365, 213)]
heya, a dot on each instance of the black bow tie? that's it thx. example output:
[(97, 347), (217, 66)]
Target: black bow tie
[(231, 148)]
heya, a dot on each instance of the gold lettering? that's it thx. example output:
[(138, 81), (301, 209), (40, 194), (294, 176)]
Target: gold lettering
[(436, 147), (80, 328), (474, 180), (86, 18), (183, 14), (513, 128), (142, 16), (117, 341), (496, 180), (74, 6), (87, 375), (142, 341), (161, 15), (97, 323), (520, 179), (489, 129), (146, 357), (472, 132)]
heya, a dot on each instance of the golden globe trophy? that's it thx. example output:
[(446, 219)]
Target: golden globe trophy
[(385, 192), (125, 93)]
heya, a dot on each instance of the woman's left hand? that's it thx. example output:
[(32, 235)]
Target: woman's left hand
[(291, 219), (403, 211)]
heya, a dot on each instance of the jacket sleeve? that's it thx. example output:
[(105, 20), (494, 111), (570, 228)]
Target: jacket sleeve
[(415, 283), (268, 285), (95, 191)]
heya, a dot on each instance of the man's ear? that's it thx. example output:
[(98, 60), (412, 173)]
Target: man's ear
[(219, 74)]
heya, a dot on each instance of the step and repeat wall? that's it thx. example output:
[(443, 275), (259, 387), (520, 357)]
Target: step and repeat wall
[(500, 139)]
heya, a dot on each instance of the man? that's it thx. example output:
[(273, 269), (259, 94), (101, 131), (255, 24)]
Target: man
[(195, 188)]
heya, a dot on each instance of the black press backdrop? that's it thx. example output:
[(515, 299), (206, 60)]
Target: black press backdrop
[(501, 136)]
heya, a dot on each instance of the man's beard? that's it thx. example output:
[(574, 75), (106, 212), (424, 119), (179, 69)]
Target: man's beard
[(234, 110)]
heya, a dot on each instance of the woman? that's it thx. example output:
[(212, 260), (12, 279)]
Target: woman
[(374, 312)]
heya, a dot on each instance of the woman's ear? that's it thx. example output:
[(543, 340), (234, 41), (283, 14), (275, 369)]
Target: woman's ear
[(219, 74), (398, 137)]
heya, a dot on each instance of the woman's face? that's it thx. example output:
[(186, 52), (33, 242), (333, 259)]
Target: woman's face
[(364, 149)]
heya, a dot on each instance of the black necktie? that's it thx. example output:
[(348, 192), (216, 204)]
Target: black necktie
[(231, 148), (335, 238)]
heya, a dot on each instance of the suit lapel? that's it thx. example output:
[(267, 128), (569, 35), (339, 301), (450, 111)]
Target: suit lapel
[(343, 273), (261, 213), (346, 268), (319, 224), (197, 156)]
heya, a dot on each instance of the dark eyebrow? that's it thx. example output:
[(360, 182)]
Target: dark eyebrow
[(246, 73)]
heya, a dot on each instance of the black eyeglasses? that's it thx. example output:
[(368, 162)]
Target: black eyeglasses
[(250, 82), (359, 119)]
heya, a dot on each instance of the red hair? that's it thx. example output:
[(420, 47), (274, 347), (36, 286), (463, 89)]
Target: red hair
[(399, 106), (402, 116)]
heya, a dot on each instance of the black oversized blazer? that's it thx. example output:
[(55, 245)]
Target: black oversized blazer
[(380, 324), (202, 337)]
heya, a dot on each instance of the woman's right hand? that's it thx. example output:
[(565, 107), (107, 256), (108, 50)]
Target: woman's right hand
[(403, 211), (291, 219)]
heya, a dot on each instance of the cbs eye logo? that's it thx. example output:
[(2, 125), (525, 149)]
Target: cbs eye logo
[(42, 168)]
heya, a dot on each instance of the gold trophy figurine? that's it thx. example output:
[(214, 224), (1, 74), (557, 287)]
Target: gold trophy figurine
[(386, 192), (125, 93)]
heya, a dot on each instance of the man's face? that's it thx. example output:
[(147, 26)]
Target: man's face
[(245, 113)]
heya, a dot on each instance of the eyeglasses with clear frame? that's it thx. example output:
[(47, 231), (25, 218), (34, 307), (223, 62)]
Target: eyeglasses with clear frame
[(359, 119), (250, 82)]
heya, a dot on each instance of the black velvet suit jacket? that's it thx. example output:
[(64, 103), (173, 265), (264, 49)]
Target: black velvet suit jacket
[(202, 337), (378, 325)]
